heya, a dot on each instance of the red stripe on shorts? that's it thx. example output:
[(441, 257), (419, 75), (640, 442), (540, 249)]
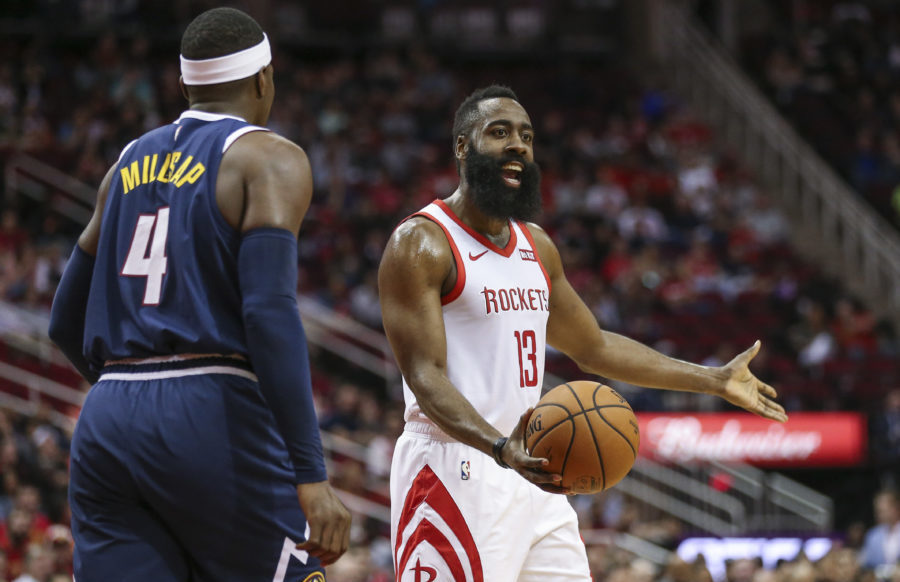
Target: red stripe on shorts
[(427, 488), (427, 532)]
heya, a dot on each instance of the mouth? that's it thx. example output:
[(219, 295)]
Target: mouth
[(511, 174)]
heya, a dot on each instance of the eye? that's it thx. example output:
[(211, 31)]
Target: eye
[(500, 132), (527, 137)]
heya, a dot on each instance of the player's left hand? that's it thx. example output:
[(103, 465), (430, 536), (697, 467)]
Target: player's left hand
[(328, 520), (744, 389), (532, 468)]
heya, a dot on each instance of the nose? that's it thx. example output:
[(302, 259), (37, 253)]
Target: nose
[(518, 145)]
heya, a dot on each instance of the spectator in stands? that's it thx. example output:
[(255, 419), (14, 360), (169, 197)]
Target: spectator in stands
[(38, 564), (15, 537), (605, 197), (59, 540), (619, 574), (12, 234), (641, 222), (767, 576), (881, 547), (811, 337), (28, 499), (766, 222), (853, 329), (884, 427), (343, 417), (677, 570), (741, 570), (838, 565)]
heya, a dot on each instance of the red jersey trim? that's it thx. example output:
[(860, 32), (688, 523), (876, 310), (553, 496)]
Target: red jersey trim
[(505, 251), (460, 266), (530, 240)]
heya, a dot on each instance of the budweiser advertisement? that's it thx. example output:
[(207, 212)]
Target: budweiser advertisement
[(807, 439)]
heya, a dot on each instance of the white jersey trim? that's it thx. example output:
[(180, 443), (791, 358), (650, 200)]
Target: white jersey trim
[(168, 374), (125, 149), (207, 116)]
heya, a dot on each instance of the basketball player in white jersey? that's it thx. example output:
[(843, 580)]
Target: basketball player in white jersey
[(471, 295)]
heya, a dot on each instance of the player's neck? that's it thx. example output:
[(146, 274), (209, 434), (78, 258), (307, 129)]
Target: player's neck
[(495, 229)]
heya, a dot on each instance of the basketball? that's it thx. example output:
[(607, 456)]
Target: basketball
[(587, 431)]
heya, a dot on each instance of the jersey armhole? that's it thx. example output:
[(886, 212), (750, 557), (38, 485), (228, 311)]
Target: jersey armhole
[(233, 136), (222, 224), (460, 284)]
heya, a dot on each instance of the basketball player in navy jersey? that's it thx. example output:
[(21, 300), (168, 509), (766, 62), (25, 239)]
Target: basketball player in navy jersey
[(471, 294), (197, 454)]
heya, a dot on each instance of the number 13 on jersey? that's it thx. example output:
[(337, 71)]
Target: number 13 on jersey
[(526, 341), (153, 266)]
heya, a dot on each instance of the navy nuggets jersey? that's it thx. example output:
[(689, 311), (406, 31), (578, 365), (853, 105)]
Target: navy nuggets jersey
[(165, 278)]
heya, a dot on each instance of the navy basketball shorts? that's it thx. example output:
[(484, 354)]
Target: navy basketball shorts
[(178, 473)]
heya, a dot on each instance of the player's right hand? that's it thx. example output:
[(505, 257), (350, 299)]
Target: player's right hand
[(328, 520), (531, 468)]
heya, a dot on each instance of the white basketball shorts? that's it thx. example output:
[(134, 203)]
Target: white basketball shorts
[(457, 516)]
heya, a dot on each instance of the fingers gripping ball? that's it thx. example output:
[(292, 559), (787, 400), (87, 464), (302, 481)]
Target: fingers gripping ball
[(588, 432)]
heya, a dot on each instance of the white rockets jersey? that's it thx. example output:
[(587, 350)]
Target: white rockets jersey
[(495, 320)]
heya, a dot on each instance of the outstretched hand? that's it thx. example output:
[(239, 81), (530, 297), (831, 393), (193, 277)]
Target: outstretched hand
[(531, 468), (744, 389)]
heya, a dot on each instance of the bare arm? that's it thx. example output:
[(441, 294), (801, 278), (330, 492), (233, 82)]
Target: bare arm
[(573, 330), (90, 236), (414, 268)]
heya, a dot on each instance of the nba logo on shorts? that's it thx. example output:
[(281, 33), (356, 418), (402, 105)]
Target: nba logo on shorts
[(464, 470)]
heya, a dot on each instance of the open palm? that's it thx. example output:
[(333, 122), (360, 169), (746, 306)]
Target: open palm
[(744, 389)]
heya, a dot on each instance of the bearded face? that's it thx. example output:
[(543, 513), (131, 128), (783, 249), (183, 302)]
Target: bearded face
[(504, 187)]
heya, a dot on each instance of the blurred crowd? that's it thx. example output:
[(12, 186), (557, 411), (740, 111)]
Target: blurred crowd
[(835, 75), (666, 236), (35, 540)]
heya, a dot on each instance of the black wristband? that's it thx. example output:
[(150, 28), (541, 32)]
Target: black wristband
[(498, 450)]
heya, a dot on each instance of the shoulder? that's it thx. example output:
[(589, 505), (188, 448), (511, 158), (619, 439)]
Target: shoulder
[(419, 242), (540, 236), (419, 234), (264, 181), (266, 151)]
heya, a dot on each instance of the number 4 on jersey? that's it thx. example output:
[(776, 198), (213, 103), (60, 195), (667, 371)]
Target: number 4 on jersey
[(153, 266)]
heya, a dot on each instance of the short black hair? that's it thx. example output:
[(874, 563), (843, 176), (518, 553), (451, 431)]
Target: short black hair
[(219, 32), (467, 113)]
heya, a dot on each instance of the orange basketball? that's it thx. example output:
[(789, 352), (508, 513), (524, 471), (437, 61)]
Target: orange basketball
[(588, 432)]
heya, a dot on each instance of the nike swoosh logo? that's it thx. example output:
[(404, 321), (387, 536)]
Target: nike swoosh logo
[(478, 256)]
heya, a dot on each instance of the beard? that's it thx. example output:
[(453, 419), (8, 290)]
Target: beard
[(493, 197)]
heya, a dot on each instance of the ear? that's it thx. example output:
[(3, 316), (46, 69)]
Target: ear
[(462, 147), (184, 90), (261, 83)]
